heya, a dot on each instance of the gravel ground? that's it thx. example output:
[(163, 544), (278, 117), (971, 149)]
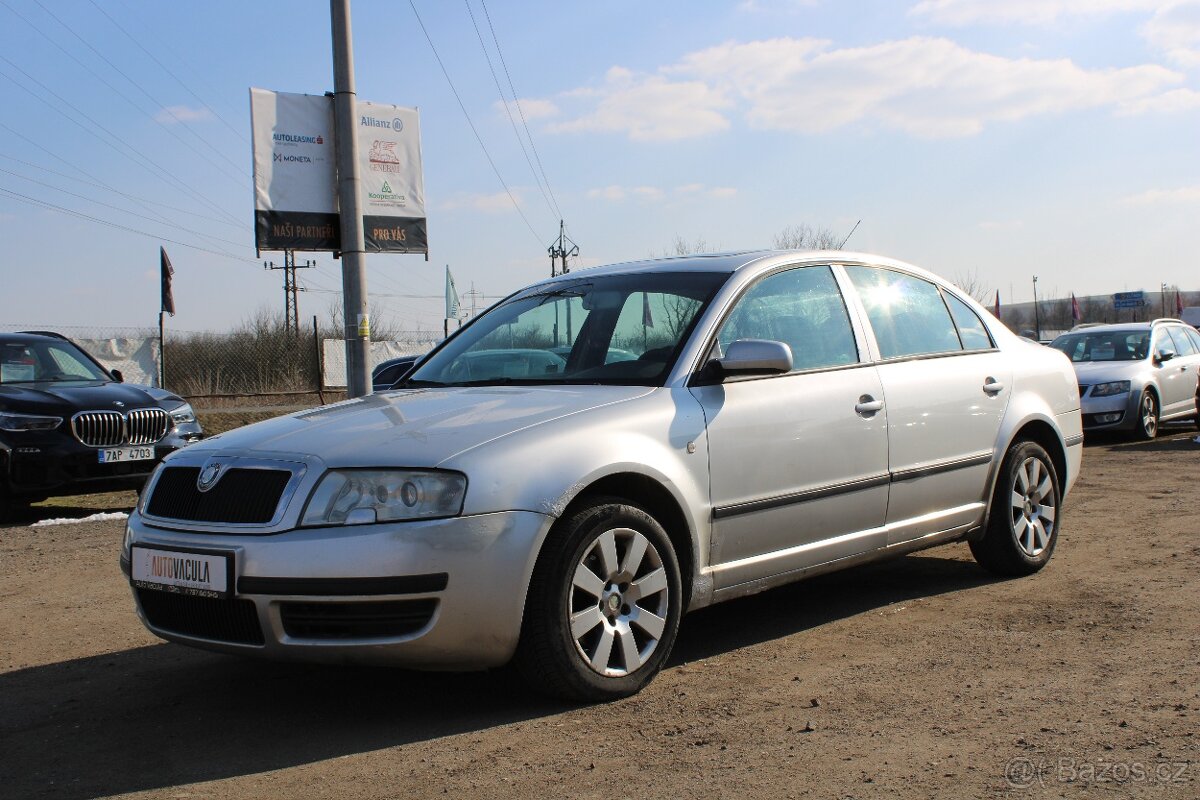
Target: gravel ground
[(921, 677)]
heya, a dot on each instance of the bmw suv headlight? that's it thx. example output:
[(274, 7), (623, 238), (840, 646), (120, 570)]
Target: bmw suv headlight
[(1109, 389), (363, 496), (183, 415), (27, 422)]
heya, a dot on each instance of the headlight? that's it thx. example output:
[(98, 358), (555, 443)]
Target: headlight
[(27, 422), (363, 496), (1108, 389), (183, 415)]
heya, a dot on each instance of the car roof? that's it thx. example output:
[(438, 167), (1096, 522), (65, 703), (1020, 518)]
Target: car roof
[(737, 260), (30, 338)]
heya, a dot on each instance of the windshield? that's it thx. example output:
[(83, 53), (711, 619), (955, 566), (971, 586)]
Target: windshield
[(46, 362), (1131, 345), (610, 329)]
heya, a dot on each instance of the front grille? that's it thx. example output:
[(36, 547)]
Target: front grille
[(374, 620), (241, 496), (113, 429), (232, 620)]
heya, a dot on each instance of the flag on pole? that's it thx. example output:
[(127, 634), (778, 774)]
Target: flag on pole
[(996, 305), (1076, 311), (451, 296), (168, 272), (1178, 304)]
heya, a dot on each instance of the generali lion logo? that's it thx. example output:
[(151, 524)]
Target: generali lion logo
[(382, 156), (209, 476)]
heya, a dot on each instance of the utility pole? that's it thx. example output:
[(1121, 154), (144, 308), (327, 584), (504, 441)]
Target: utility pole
[(558, 249), (353, 253), (1162, 298), (291, 303), (1037, 317)]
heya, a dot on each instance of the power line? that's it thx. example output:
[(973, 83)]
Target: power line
[(122, 210), (178, 80), (517, 101), (142, 201), (35, 201), (236, 178), (478, 138), (508, 111), (241, 173), (138, 158)]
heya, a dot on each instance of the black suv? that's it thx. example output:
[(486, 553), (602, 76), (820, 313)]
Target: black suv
[(70, 426)]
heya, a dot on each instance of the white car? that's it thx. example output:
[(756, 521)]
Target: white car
[(784, 414)]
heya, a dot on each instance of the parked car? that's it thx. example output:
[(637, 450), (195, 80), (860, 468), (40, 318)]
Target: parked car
[(1134, 376), (70, 426), (386, 373), (787, 414)]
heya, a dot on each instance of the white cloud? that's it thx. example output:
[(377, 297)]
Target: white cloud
[(1165, 103), (1026, 12), (532, 108), (616, 194), (496, 203), (650, 108), (1185, 194), (171, 114), (1175, 29)]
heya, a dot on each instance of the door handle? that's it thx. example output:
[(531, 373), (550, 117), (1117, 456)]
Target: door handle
[(868, 405), (993, 386)]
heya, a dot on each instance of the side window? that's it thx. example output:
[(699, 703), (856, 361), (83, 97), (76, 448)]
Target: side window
[(801, 307), (970, 329), (1162, 342), (1194, 337), (1183, 345), (907, 313)]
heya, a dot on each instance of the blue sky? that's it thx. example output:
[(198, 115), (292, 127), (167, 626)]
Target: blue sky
[(995, 139)]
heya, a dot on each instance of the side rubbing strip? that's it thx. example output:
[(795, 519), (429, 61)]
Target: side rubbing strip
[(937, 469), (800, 497), (1071, 441)]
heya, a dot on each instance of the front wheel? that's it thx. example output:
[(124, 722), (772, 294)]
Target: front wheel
[(604, 605), (1022, 526), (1147, 421)]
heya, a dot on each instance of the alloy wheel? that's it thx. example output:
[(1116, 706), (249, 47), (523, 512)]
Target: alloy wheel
[(1033, 511), (619, 602)]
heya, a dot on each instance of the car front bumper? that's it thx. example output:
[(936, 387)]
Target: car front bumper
[(1114, 412), (437, 594)]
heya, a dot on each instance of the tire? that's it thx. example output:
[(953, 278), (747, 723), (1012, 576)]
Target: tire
[(1146, 426), (1022, 527), (597, 625)]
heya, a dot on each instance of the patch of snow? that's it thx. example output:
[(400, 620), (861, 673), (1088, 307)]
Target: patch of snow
[(68, 520)]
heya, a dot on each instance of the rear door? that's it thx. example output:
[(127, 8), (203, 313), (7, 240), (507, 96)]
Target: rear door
[(946, 386)]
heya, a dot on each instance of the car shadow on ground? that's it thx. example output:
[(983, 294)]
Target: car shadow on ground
[(163, 715), (1171, 437)]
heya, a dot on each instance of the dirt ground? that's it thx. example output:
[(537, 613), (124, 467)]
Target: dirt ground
[(921, 677)]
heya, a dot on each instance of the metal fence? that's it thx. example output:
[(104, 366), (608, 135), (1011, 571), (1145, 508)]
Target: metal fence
[(249, 362)]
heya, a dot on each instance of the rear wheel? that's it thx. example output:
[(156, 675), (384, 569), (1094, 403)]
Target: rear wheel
[(604, 605), (1022, 528), (1147, 421)]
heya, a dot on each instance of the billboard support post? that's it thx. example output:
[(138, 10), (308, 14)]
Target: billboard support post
[(353, 252)]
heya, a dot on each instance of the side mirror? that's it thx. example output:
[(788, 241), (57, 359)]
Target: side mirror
[(1165, 355), (756, 357), (117, 376)]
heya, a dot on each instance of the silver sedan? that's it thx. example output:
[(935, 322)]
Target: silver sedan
[(769, 416)]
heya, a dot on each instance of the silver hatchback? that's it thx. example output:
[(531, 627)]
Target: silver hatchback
[(769, 416)]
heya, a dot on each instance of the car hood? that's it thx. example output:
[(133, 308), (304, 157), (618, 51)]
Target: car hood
[(72, 396), (415, 427), (1090, 372)]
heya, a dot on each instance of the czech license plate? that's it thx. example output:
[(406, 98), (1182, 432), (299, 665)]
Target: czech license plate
[(116, 455), (203, 573)]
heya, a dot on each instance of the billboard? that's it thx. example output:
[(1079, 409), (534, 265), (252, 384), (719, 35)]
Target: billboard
[(295, 174)]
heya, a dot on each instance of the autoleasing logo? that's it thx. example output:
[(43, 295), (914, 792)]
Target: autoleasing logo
[(293, 138)]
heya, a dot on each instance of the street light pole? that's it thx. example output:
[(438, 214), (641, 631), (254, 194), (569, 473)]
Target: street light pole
[(1037, 317), (354, 258)]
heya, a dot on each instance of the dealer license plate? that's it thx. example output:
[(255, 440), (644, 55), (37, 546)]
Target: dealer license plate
[(115, 455), (203, 573)]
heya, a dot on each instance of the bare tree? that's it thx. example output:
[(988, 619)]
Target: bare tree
[(804, 237), (682, 247), (972, 284)]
